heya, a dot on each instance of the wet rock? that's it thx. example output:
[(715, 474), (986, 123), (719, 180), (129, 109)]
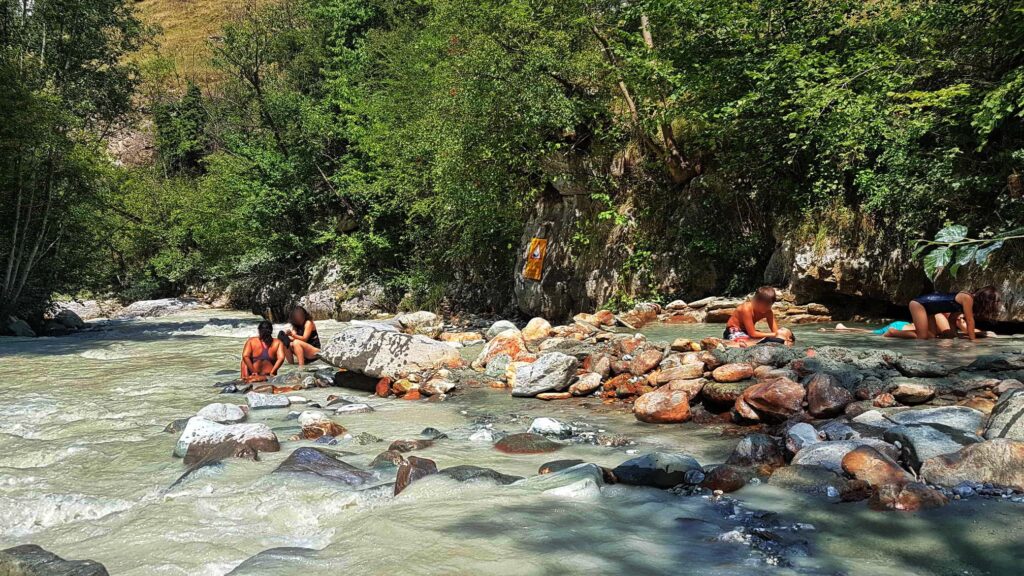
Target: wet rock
[(554, 396), (322, 429), (586, 384), (536, 329), (830, 454), (410, 445), (364, 438), (922, 442), (387, 459), (962, 418), (582, 481), (1005, 386), (757, 450), (724, 393), (800, 436), (551, 372), (176, 426), (732, 372), (838, 431), (32, 560), (526, 443), (692, 388), (663, 406), (657, 469), (377, 353), (920, 369), (276, 560), (550, 427), (482, 435), (772, 400), (510, 343), (725, 478), (466, 473), (358, 408), (911, 391), (867, 464), (413, 469), (808, 479), (557, 466), (499, 327), (644, 362), (154, 308), (906, 497), (825, 397), (998, 363), (1007, 418), (258, 401), (688, 371), (202, 437), (999, 462), (883, 400), (432, 433), (324, 464), (436, 386)]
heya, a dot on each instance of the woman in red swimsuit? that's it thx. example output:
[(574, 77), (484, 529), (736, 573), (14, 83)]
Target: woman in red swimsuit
[(262, 355)]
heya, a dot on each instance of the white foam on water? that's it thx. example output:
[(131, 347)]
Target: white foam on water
[(23, 515)]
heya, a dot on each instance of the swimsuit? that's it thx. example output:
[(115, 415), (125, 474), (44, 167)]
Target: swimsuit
[(940, 303), (264, 354), (733, 333), (897, 325)]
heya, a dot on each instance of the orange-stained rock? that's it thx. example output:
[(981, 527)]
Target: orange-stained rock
[(591, 319), (732, 372), (867, 464), (692, 387), (906, 497), (630, 345), (983, 405), (413, 394), (686, 317), (644, 362), (774, 400), (720, 316), (585, 384), (509, 342), (383, 388), (613, 383), (605, 318), (884, 400), (642, 315), (681, 372), (413, 469), (461, 337), (554, 395), (322, 428), (537, 329), (663, 406), (685, 345)]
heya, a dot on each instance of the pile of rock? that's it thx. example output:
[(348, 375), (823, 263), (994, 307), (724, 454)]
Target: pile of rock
[(715, 310)]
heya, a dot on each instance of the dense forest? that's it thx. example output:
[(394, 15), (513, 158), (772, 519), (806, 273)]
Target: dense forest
[(405, 141)]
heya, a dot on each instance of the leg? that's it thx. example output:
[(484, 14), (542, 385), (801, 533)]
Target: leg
[(287, 350), (245, 371), (924, 323), (303, 351)]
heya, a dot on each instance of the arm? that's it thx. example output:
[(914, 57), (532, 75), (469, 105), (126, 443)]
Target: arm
[(773, 326), (279, 355), (747, 319), (247, 357), (967, 301), (307, 331)]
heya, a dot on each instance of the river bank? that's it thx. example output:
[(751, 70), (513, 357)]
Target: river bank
[(88, 455)]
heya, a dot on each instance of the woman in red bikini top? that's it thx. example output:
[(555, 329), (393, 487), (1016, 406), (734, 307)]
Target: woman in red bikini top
[(262, 355)]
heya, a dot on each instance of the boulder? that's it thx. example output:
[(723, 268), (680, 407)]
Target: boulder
[(660, 470), (551, 372), (962, 418), (379, 354), (202, 437), (920, 442), (17, 327), (510, 343), (68, 319), (691, 387), (800, 436), (732, 372), (536, 329), (724, 393), (908, 391), (725, 478), (906, 497), (663, 406), (324, 464), (807, 479), (1007, 418), (830, 454), (257, 401), (999, 462), (586, 384), (422, 322), (467, 473), (757, 450), (920, 369), (499, 327), (681, 372), (31, 560), (772, 400), (410, 445), (222, 413), (867, 464), (154, 308), (550, 427), (825, 397), (644, 362), (413, 469), (526, 443)]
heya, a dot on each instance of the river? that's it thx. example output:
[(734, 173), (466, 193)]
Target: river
[(86, 466)]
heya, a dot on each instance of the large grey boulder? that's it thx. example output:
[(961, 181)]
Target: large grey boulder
[(830, 454), (17, 327), (1007, 418), (551, 372), (422, 322), (999, 462), (154, 308), (378, 354), (921, 442), (962, 418), (31, 560), (222, 413)]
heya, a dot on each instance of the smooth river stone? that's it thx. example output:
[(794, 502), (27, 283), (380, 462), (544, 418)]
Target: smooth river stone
[(31, 560), (658, 469), (203, 437), (526, 443), (325, 464), (379, 354), (222, 413), (259, 401)]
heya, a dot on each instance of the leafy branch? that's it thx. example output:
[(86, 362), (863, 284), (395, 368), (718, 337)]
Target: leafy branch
[(951, 249)]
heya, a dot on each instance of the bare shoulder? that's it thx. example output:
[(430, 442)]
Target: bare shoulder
[(964, 298)]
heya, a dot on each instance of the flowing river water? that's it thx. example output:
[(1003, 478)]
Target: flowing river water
[(86, 467)]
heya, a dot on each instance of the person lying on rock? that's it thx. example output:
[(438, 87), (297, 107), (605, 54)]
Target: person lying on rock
[(928, 313), (262, 355), (301, 341), (742, 324)]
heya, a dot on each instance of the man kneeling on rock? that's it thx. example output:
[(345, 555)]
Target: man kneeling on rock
[(741, 328)]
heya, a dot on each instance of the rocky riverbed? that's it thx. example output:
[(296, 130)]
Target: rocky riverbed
[(330, 469)]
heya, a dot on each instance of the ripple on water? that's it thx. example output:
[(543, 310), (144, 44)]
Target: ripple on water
[(21, 515), (115, 351)]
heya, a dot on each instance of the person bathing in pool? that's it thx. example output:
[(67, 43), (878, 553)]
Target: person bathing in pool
[(926, 310), (301, 341), (262, 355), (941, 323), (742, 325)]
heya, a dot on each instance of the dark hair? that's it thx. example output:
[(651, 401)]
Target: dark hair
[(266, 331), (305, 317), (766, 294), (987, 303)]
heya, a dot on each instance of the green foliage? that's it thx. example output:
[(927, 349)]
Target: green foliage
[(952, 249)]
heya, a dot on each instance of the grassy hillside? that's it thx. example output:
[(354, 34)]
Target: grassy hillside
[(186, 27)]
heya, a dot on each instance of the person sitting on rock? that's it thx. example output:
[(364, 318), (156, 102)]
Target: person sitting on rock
[(742, 324), (301, 341), (262, 355), (926, 310)]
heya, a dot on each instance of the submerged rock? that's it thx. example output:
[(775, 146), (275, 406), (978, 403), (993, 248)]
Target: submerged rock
[(388, 458), (557, 465), (757, 450), (325, 464), (32, 560), (467, 473), (360, 408), (410, 445), (412, 470), (526, 443), (377, 353), (276, 560), (907, 497), (660, 470), (551, 372), (202, 437), (999, 462), (582, 481)]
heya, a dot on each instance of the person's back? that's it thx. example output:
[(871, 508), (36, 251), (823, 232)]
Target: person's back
[(742, 323)]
